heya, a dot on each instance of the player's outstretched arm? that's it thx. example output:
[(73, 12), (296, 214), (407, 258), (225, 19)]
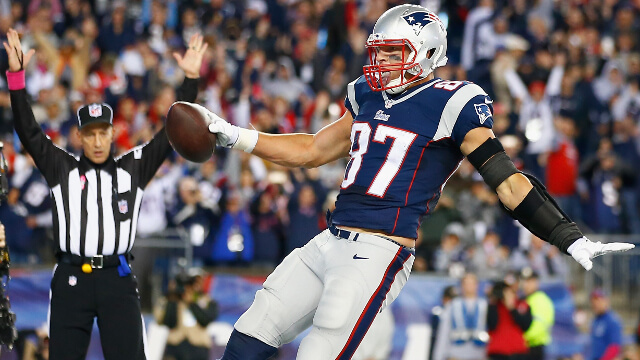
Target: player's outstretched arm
[(292, 150), (528, 202)]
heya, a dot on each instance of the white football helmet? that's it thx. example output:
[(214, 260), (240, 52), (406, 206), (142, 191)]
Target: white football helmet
[(418, 29)]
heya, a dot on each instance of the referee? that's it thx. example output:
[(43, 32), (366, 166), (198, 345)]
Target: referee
[(96, 202)]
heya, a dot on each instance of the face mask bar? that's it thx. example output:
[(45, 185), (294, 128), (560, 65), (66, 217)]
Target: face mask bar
[(374, 72)]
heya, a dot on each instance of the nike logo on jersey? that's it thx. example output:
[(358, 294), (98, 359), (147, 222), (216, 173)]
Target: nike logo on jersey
[(356, 257), (380, 115)]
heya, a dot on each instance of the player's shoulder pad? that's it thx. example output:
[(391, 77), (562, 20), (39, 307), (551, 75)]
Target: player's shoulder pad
[(355, 91), (462, 96), (458, 100)]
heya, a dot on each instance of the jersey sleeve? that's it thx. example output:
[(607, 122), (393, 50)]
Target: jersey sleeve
[(351, 100), (476, 111), (467, 108)]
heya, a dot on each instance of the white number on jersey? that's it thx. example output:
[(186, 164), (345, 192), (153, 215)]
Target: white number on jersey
[(364, 131), (400, 144), (448, 85)]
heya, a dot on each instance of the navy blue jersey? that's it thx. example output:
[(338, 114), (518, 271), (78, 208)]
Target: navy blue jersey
[(403, 150)]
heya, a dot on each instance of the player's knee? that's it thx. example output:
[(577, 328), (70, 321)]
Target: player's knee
[(338, 305), (244, 347), (255, 321), (315, 347)]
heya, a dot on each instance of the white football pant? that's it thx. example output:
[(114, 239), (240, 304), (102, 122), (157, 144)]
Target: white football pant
[(336, 285)]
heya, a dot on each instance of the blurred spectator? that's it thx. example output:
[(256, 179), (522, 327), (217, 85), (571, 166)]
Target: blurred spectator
[(267, 227), (196, 215), (606, 329), (28, 210), (536, 114), (449, 293), (541, 257), (117, 33), (608, 178), (234, 242), (462, 334), (431, 231), (507, 320), (538, 336), (489, 258), (562, 163), (449, 256), (478, 48), (304, 209), (34, 344), (187, 310)]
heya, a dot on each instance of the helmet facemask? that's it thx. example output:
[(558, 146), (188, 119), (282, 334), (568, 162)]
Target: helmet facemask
[(377, 75)]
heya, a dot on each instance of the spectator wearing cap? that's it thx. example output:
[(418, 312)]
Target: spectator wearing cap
[(606, 329), (538, 336)]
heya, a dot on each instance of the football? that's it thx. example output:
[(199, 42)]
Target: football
[(187, 131)]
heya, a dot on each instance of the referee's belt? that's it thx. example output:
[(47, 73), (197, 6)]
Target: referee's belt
[(96, 262)]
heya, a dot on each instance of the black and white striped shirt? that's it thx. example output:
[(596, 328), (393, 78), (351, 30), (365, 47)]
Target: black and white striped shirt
[(96, 206)]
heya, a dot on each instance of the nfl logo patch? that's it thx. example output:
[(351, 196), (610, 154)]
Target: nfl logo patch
[(95, 110), (73, 281), (123, 207)]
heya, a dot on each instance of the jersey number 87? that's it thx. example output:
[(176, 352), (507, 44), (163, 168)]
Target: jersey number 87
[(401, 141)]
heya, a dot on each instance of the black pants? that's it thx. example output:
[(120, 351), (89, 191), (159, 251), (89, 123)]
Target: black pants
[(185, 351), (77, 298), (536, 352)]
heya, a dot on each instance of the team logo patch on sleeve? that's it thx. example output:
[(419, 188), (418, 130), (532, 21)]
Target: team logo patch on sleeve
[(483, 112)]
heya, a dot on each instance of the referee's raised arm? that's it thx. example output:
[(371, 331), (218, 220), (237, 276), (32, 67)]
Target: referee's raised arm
[(33, 139), (157, 150)]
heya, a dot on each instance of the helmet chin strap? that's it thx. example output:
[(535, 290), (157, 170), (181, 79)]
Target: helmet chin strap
[(399, 89)]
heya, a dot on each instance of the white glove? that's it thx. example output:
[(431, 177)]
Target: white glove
[(583, 250), (228, 135)]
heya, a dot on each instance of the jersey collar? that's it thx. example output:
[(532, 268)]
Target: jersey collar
[(390, 100)]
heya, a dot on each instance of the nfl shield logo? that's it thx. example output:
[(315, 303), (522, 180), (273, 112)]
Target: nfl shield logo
[(123, 207), (73, 280), (95, 110)]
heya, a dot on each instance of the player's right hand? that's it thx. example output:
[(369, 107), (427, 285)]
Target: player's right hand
[(583, 250), (17, 59), (226, 134)]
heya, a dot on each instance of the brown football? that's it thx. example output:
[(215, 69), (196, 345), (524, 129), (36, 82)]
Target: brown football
[(187, 131)]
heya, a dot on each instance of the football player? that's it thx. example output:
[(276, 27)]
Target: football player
[(406, 132)]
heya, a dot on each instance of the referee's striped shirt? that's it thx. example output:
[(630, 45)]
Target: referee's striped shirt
[(96, 206)]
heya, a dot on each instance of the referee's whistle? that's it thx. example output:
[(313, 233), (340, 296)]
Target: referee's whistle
[(86, 268)]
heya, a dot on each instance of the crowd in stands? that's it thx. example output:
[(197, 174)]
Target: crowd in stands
[(564, 77)]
